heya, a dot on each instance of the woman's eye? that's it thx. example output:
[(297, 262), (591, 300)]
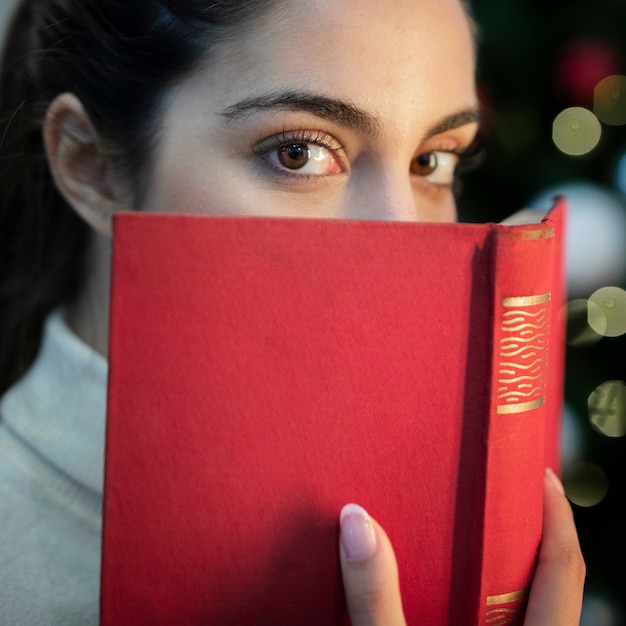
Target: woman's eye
[(304, 158), (302, 153), (437, 167)]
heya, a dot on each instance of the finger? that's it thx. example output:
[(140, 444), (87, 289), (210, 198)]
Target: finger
[(557, 588), (370, 572)]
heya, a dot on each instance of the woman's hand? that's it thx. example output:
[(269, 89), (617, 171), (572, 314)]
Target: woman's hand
[(370, 573), (556, 594)]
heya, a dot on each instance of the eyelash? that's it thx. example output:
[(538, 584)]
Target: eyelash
[(471, 157), (299, 136), (468, 158)]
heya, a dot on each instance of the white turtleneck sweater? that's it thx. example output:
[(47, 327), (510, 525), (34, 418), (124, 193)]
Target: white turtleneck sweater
[(51, 458)]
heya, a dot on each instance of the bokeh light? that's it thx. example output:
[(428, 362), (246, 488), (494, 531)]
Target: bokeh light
[(607, 408), (580, 332), (581, 64), (612, 303), (609, 100), (596, 254), (586, 484), (620, 174), (576, 131), (599, 611)]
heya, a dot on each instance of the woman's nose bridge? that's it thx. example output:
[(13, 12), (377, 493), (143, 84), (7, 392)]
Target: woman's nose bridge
[(386, 197)]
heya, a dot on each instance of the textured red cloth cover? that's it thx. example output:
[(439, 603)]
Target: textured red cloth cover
[(265, 372)]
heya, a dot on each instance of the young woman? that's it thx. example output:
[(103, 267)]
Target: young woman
[(317, 108)]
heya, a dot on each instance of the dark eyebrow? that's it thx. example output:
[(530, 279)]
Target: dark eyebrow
[(338, 111), (456, 120)]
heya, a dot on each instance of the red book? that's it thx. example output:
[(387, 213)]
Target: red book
[(265, 372)]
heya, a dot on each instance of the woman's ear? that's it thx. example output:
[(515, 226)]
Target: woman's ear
[(80, 166)]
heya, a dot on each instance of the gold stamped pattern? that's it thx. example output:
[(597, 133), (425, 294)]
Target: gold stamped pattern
[(506, 609), (523, 353), (530, 235)]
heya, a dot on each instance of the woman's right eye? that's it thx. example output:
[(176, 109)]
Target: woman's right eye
[(308, 156)]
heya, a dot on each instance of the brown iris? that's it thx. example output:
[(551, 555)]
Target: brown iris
[(424, 164), (294, 156)]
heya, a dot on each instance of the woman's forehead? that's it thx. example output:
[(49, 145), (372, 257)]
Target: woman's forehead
[(358, 30), (396, 55)]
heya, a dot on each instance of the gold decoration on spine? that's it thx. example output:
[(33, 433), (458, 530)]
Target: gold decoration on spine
[(520, 408), (527, 300), (506, 609), (530, 235), (523, 353)]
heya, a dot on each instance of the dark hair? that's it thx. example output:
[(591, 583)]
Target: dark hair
[(119, 57)]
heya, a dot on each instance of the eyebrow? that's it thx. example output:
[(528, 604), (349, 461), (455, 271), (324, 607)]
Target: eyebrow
[(455, 120), (338, 111)]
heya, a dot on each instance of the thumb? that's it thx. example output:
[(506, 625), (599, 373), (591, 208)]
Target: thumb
[(370, 572), (557, 589)]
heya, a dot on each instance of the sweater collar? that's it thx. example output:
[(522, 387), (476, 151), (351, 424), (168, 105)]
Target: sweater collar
[(59, 406)]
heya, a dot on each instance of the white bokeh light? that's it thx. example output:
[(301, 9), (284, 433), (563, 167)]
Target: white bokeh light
[(596, 235)]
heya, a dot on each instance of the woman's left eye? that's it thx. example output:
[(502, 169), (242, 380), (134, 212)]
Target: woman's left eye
[(437, 167)]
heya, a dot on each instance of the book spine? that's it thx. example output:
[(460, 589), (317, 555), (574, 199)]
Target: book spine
[(523, 284)]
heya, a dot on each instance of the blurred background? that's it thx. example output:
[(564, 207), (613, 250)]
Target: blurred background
[(6, 6), (552, 79)]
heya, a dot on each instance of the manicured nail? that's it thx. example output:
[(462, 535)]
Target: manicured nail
[(357, 533), (554, 479)]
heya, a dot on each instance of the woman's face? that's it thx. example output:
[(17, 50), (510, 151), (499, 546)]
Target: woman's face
[(352, 109)]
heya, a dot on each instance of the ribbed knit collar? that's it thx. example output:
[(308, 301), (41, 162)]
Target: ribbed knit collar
[(59, 407)]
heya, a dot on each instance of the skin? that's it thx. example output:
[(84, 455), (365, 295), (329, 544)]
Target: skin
[(368, 121), (380, 99)]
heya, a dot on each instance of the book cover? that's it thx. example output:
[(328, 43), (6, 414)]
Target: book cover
[(265, 372)]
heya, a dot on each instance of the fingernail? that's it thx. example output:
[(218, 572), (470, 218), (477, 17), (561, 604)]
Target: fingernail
[(357, 533), (554, 479)]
